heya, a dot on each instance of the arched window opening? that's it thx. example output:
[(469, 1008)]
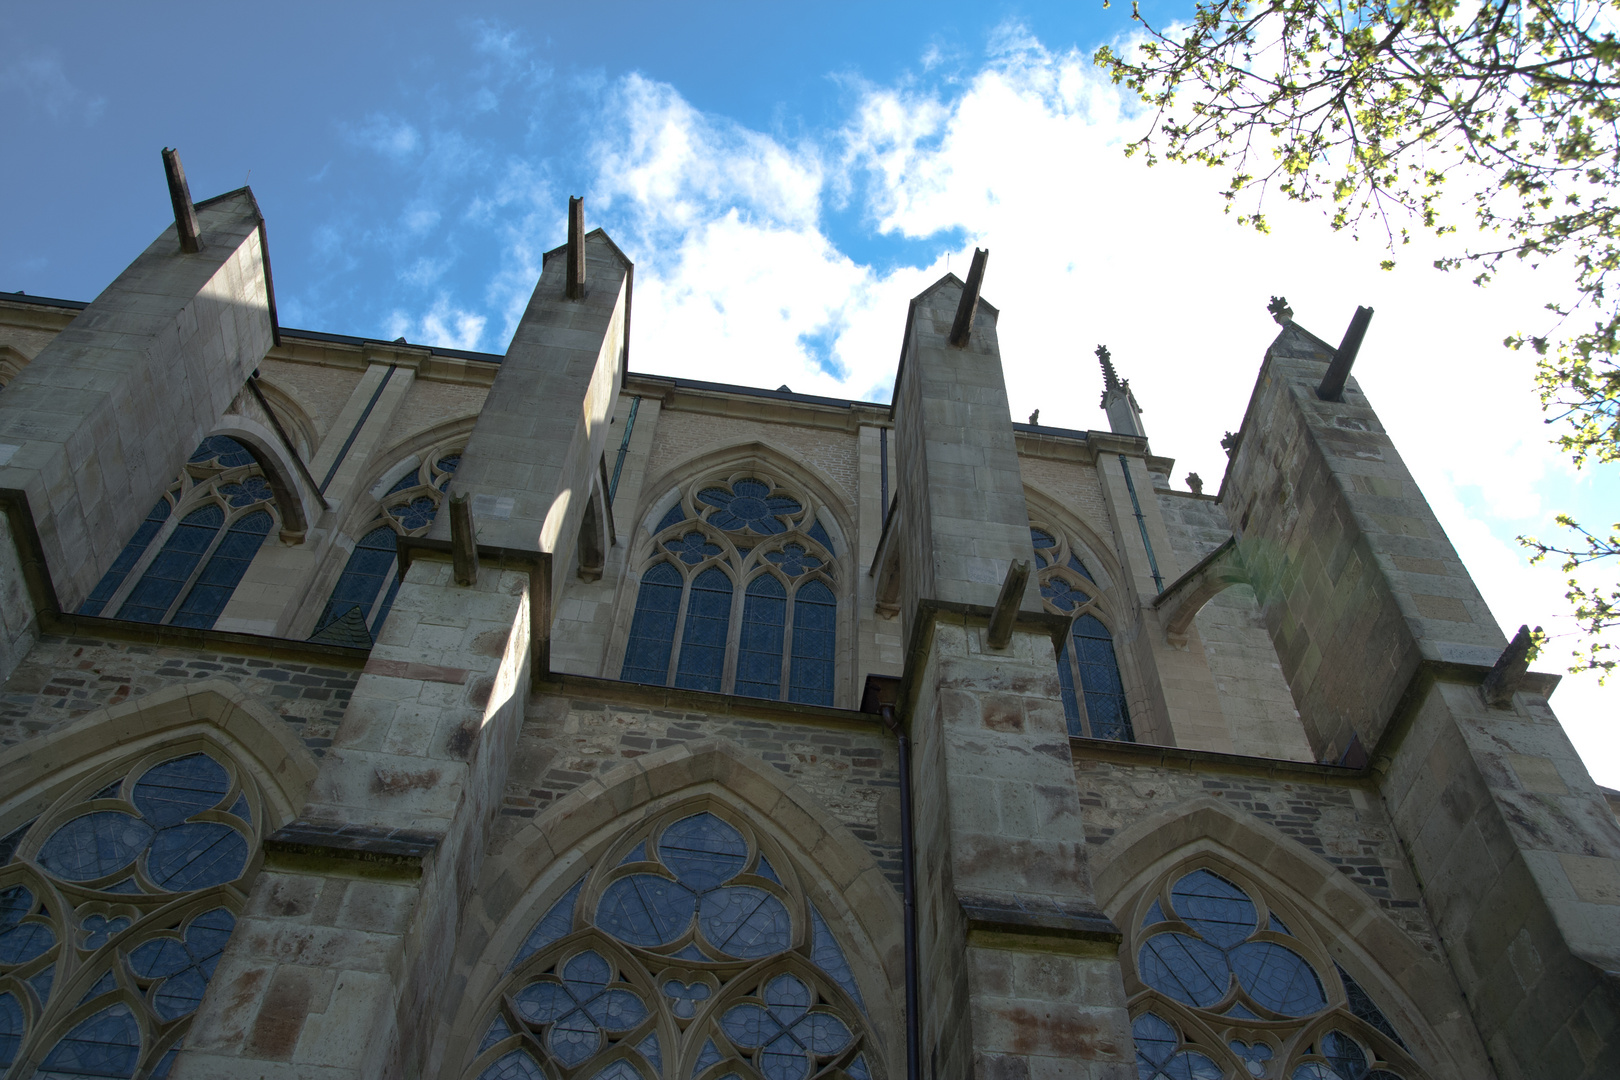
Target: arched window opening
[(115, 905), (1088, 668), (738, 595), (211, 523), (1223, 988), (692, 951), (365, 591)]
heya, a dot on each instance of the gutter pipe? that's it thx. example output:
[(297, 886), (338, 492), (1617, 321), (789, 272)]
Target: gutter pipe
[(908, 872)]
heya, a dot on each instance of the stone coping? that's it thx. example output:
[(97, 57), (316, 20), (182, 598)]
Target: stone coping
[(735, 706), (1020, 916), (1186, 760), (360, 850)]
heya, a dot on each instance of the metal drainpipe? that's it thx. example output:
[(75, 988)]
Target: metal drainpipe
[(908, 876), (1130, 486), (624, 447)]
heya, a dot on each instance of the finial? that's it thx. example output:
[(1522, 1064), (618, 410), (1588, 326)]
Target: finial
[(1229, 444), (1280, 310), (1110, 377), (1035, 418), (1195, 483)]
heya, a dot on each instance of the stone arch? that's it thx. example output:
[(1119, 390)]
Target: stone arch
[(12, 363), (1414, 987), (35, 772), (294, 418), (294, 499), (543, 861), (366, 507), (1049, 508)]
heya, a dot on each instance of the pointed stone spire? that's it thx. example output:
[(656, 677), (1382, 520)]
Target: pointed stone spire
[(1124, 414)]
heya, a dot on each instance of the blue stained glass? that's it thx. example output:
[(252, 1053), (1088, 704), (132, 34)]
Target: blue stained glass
[(513, 1066), (1158, 1059), (404, 483), (1240, 1011), (826, 954), (708, 623), (819, 534), (128, 885), (1278, 925), (1106, 712), (675, 516), (252, 489), (544, 1002), (685, 996), (1044, 543), (1064, 596), (98, 929), (644, 909), (649, 1049), (184, 965), (692, 953), (745, 921), (94, 845), (554, 925), (449, 463), (748, 505), (652, 631), (231, 454), (127, 559), (1314, 1070), (240, 809), (858, 1068), (581, 1007), (104, 985), (196, 856), (1361, 1004), (1066, 690), (759, 652), (168, 793), (1278, 978), (149, 601), (15, 903), (703, 851), (789, 1036), (13, 840), (161, 1070), (1254, 1056), (794, 560), (42, 981), (11, 1027), (815, 618), (362, 578), (224, 571), (637, 854), (107, 1044), (766, 870), (1080, 568), (1221, 912), (1191, 971), (706, 1057), (416, 514), (497, 1031), (1155, 914), (1346, 1056), (22, 943), (692, 548), (618, 1069)]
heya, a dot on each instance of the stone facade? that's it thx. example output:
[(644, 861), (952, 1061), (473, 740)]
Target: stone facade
[(289, 788)]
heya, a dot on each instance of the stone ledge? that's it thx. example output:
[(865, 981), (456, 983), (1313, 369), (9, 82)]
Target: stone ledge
[(352, 850), (1021, 923)]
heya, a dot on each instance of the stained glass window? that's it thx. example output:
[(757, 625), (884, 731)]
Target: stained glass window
[(790, 609), (1235, 962), (152, 878), (227, 509), (741, 983), (364, 577), (1088, 670)]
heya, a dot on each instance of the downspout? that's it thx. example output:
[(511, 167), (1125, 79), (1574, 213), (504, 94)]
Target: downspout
[(1141, 523), (624, 448), (908, 877)]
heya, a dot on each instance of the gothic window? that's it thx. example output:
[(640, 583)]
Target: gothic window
[(737, 595), (1088, 669), (115, 904), (186, 559), (691, 953), (366, 589), (1223, 988)]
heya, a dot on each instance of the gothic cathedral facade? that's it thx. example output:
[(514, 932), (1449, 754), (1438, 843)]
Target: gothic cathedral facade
[(377, 710)]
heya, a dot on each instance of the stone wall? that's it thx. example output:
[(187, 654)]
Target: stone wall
[(684, 435), (64, 678)]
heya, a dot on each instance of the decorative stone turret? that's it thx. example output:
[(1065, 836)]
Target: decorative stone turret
[(1124, 414)]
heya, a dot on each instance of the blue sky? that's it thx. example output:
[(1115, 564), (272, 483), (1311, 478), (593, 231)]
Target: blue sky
[(785, 177)]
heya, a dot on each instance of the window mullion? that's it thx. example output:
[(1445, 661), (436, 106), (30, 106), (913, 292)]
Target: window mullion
[(202, 564), (787, 643), (680, 628), (136, 572)]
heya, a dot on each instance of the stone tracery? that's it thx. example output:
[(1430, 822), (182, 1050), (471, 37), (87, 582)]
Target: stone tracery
[(693, 952), (1088, 668)]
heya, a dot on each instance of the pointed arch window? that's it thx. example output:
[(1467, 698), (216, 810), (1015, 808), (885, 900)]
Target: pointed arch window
[(1088, 668), (738, 595), (115, 905), (186, 559), (1223, 987), (365, 590), (692, 951)]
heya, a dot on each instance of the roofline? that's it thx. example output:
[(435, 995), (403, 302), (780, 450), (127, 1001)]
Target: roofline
[(755, 391)]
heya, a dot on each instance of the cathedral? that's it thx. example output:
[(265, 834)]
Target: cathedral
[(380, 710)]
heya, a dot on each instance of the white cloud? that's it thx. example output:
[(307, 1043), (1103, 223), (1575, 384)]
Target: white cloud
[(41, 79), (444, 325), (738, 281), (390, 136)]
